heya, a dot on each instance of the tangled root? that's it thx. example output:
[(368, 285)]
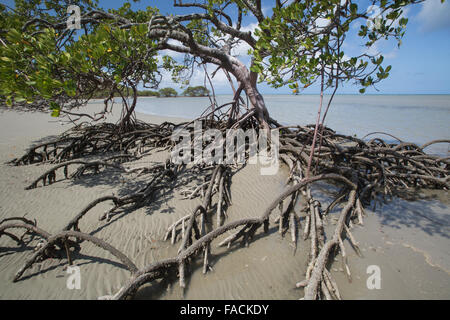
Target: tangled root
[(363, 170)]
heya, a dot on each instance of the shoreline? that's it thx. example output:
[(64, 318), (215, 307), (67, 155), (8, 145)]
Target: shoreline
[(408, 240)]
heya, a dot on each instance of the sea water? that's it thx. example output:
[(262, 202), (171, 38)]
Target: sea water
[(412, 118)]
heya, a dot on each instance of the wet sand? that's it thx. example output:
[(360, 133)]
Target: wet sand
[(409, 241)]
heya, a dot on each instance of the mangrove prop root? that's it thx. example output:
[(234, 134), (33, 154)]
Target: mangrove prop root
[(86, 139), (363, 170), (248, 227), (49, 177), (62, 236), (28, 227)]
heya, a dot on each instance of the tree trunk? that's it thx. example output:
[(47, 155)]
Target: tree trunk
[(249, 81), (127, 121), (257, 101)]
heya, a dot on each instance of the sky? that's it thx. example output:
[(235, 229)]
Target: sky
[(420, 66)]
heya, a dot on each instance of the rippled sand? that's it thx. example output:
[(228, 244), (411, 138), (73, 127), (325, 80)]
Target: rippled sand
[(408, 240)]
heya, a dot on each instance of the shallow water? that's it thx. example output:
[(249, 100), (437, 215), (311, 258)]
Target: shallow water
[(413, 118)]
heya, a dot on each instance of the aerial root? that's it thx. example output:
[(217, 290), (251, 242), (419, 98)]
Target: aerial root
[(218, 183), (84, 140), (246, 230), (29, 227), (161, 180), (315, 280), (61, 240), (363, 170), (49, 177)]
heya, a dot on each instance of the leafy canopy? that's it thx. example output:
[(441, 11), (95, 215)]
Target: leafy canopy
[(168, 92), (305, 40), (198, 91), (301, 41)]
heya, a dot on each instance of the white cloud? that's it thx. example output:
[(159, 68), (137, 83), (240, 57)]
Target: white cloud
[(321, 23), (241, 49), (175, 55), (434, 15), (220, 81), (392, 54), (373, 50), (381, 47), (251, 27)]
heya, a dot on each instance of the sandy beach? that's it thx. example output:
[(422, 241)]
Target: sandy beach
[(408, 240)]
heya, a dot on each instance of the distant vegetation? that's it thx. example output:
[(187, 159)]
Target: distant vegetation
[(164, 92), (148, 93), (102, 94), (198, 91), (168, 92)]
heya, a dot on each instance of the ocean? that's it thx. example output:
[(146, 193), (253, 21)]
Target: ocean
[(412, 118)]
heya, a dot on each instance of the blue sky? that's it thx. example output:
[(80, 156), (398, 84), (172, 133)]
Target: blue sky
[(420, 66)]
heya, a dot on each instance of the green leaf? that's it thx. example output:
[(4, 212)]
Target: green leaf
[(54, 106), (9, 101), (256, 68), (403, 21), (55, 113), (19, 99)]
